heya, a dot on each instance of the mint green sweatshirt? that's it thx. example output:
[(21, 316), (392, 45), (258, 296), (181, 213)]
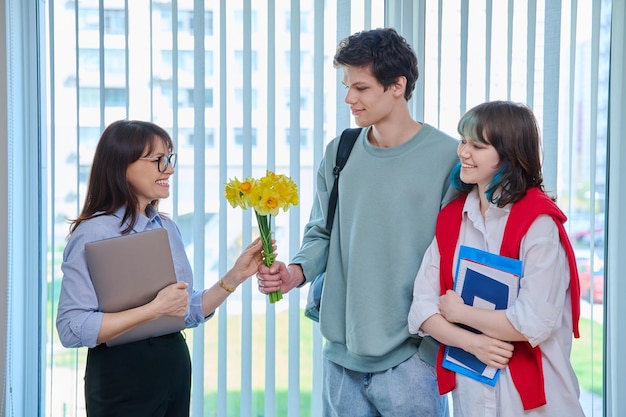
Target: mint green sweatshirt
[(388, 203)]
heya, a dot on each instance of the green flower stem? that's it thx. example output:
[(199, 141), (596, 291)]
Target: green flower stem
[(265, 231)]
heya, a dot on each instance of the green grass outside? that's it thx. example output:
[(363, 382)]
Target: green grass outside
[(587, 356), (259, 371), (233, 405)]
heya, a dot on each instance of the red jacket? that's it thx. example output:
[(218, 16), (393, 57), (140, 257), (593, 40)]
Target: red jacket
[(525, 364)]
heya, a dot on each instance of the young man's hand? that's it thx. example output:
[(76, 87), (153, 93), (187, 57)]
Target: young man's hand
[(279, 276)]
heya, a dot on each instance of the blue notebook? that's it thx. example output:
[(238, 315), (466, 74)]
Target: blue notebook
[(484, 280)]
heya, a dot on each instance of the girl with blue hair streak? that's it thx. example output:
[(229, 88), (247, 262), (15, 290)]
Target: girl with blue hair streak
[(503, 209)]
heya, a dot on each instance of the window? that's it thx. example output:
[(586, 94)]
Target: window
[(187, 137), (89, 61), (89, 136), (261, 360), (113, 97), (186, 64), (305, 59), (113, 20), (239, 21), (208, 23), (210, 138), (208, 63), (239, 98), (303, 20), (208, 98), (185, 21), (115, 62), (239, 137), (253, 60), (186, 98), (304, 100), (304, 137)]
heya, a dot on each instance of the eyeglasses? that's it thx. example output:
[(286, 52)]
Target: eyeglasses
[(163, 161)]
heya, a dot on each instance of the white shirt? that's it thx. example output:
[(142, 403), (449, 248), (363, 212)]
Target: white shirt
[(542, 313)]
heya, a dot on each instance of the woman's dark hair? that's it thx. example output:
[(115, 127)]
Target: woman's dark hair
[(122, 143), (383, 50), (511, 128)]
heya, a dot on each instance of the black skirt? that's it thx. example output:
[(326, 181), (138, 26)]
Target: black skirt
[(149, 377)]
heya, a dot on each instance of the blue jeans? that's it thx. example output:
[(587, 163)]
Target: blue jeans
[(408, 390)]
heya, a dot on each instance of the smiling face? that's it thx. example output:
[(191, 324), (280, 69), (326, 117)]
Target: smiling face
[(144, 178), (479, 162), (369, 102)]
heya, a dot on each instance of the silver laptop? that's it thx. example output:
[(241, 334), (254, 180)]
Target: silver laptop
[(128, 271)]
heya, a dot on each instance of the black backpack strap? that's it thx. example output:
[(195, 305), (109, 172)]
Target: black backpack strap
[(346, 142)]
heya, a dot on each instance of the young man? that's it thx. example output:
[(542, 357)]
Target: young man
[(390, 192)]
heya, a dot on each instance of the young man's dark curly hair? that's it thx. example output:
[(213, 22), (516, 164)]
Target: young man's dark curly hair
[(388, 55)]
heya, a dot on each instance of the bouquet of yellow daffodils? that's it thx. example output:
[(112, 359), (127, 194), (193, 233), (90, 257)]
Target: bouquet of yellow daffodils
[(266, 195)]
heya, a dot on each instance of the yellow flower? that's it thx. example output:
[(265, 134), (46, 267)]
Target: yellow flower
[(267, 203), (266, 195), (239, 193)]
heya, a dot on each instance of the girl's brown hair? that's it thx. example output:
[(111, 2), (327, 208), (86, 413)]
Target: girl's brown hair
[(512, 129)]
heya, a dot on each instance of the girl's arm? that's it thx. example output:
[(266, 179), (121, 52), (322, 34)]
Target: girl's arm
[(490, 351), (492, 323), (424, 317)]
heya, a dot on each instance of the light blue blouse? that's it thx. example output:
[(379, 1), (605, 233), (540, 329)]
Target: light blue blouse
[(78, 318)]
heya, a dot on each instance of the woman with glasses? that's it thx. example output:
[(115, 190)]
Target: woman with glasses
[(130, 174)]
